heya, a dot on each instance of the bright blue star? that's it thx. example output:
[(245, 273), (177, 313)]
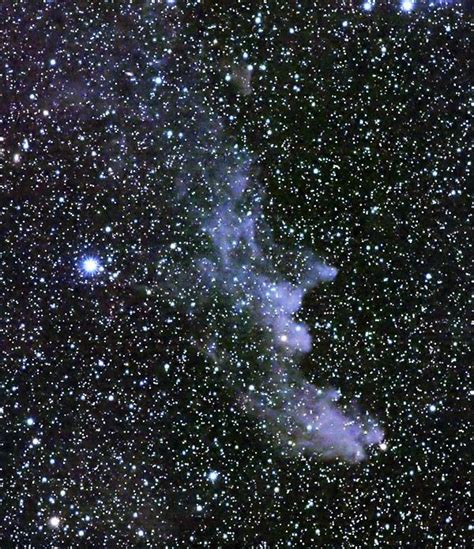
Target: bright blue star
[(90, 265), (212, 476), (407, 5)]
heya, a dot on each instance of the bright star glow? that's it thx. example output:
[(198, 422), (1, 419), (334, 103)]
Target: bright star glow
[(213, 476), (367, 6), (90, 265), (54, 522), (407, 5)]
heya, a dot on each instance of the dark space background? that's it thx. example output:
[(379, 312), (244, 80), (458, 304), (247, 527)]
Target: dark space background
[(356, 125)]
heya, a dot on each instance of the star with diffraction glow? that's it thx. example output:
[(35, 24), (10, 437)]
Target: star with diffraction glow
[(90, 265)]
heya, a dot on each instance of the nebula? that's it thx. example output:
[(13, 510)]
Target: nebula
[(309, 421), (242, 265)]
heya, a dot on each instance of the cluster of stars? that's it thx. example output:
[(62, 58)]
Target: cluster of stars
[(130, 370)]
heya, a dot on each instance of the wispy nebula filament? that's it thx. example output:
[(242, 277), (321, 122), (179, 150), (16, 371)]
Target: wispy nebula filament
[(299, 417)]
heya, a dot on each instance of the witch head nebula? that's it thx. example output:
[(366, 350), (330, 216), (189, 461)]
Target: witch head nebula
[(241, 264)]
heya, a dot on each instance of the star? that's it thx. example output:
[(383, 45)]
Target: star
[(407, 5), (54, 521), (90, 265)]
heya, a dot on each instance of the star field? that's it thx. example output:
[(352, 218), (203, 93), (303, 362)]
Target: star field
[(233, 274)]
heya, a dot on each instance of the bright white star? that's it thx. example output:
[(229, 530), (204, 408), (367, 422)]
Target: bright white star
[(90, 265), (213, 476), (407, 5), (54, 522)]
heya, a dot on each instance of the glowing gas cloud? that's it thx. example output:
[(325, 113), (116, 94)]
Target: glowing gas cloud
[(242, 265)]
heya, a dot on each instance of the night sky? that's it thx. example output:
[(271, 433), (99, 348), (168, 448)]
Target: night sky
[(234, 271)]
